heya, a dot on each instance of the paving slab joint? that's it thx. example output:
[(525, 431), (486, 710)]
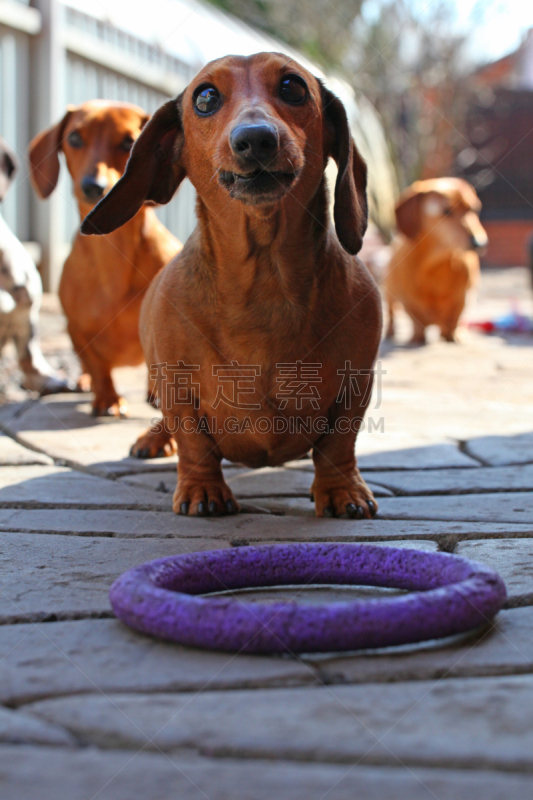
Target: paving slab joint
[(465, 450), (37, 617), (447, 543)]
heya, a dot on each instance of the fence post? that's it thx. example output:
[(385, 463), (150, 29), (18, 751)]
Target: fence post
[(46, 96)]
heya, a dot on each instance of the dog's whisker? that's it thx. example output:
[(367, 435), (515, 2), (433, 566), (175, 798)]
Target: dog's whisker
[(215, 173)]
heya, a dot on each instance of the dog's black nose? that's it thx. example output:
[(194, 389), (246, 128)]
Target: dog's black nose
[(92, 187), (478, 242), (256, 143)]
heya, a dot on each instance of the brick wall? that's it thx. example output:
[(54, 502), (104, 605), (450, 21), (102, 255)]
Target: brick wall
[(508, 242)]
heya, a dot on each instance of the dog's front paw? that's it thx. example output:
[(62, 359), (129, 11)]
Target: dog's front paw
[(201, 497), (344, 496), (156, 442), (83, 384), (104, 407)]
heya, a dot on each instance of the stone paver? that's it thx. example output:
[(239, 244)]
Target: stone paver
[(268, 482), (512, 558), (244, 482), (116, 775), (503, 649), (480, 724), (513, 507), (431, 456), (102, 655), (65, 430), (17, 727), (85, 702), (457, 481), (246, 528), (69, 578), (277, 482), (500, 450), (500, 507), (13, 454), (56, 487), (156, 480)]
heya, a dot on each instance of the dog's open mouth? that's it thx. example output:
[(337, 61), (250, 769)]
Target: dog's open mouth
[(261, 185)]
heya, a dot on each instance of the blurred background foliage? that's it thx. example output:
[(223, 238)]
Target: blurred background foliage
[(410, 58)]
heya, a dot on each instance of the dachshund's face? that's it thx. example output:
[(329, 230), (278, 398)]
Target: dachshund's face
[(253, 128), (96, 138), (446, 210), (256, 130)]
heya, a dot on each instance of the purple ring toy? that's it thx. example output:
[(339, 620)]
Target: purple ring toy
[(448, 595)]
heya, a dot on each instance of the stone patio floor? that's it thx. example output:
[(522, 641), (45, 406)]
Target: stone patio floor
[(89, 709)]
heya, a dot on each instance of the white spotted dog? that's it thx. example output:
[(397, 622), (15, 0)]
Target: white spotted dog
[(20, 299)]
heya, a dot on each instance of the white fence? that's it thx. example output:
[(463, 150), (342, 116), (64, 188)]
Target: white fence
[(52, 55)]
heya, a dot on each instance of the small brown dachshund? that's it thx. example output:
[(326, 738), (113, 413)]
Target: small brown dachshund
[(436, 261), (265, 320), (104, 280)]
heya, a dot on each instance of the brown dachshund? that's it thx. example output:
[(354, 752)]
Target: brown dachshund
[(104, 280), (436, 262), (265, 320)]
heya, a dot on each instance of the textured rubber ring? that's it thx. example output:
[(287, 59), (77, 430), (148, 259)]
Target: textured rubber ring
[(446, 595)]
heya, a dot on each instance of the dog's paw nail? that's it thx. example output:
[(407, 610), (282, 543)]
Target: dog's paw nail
[(184, 508), (351, 510), (359, 512), (230, 506), (200, 509), (328, 511), (372, 508), (213, 508)]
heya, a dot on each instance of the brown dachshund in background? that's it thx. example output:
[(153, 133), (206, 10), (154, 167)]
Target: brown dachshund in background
[(264, 285), (436, 263), (104, 279)]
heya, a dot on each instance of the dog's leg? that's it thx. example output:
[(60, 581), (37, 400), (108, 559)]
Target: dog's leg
[(338, 488), (154, 443), (157, 441), (83, 383), (391, 305), (419, 332), (448, 327), (107, 402), (38, 375), (201, 488)]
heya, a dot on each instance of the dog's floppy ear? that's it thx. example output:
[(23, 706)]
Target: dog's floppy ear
[(153, 172), (8, 167), (408, 213), (43, 153), (351, 210)]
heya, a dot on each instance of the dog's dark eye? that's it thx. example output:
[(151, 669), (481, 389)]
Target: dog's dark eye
[(127, 143), (206, 99), (74, 139), (293, 89)]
